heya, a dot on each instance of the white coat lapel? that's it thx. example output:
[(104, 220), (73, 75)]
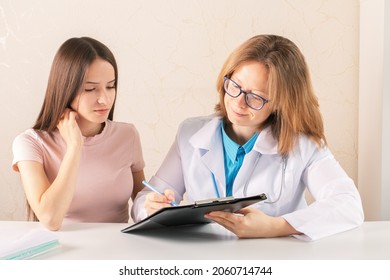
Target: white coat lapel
[(245, 172), (265, 145), (209, 142)]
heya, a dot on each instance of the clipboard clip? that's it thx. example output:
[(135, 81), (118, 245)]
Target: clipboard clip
[(213, 200)]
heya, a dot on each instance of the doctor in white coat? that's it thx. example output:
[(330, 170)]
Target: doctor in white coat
[(267, 137)]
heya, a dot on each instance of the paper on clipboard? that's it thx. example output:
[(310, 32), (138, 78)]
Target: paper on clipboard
[(192, 214)]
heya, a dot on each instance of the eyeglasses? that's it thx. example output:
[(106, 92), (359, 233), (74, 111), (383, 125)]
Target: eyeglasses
[(254, 101)]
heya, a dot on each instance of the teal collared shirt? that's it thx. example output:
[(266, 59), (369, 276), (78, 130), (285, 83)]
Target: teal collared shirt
[(233, 157)]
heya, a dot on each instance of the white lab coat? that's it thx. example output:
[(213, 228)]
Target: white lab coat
[(198, 152)]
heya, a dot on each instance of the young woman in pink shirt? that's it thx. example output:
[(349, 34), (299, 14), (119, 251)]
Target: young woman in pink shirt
[(76, 163)]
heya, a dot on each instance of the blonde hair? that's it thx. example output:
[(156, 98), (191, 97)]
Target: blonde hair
[(295, 108)]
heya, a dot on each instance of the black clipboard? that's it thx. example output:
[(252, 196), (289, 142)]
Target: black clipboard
[(192, 214)]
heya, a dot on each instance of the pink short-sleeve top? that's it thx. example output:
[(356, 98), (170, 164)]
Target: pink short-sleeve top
[(105, 179)]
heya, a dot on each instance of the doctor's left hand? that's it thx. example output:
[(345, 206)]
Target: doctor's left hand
[(252, 223)]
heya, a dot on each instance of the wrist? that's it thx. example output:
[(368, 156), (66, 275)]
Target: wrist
[(282, 228), (73, 151), (74, 146)]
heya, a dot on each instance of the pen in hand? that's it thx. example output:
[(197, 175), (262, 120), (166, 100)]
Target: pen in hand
[(173, 203)]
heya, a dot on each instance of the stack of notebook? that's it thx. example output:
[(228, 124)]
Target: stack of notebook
[(16, 245)]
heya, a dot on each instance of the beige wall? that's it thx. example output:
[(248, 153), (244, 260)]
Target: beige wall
[(169, 54), (374, 109)]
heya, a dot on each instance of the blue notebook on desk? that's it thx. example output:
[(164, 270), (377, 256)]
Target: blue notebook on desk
[(20, 244), (192, 214)]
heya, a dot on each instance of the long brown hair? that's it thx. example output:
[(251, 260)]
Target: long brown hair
[(295, 108), (66, 77)]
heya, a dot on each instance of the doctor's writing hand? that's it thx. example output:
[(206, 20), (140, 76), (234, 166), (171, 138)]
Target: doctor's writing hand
[(70, 130), (252, 223), (155, 201)]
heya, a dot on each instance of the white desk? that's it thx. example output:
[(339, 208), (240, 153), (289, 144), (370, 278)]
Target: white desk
[(95, 241)]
